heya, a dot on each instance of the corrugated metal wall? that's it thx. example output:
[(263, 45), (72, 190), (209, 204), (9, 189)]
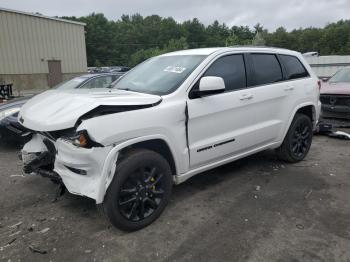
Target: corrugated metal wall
[(27, 42), (326, 66)]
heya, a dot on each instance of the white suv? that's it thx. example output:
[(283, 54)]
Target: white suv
[(171, 117)]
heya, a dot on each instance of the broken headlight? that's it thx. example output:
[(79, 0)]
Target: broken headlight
[(82, 139)]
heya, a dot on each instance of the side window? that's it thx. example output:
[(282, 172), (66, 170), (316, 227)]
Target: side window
[(231, 68), (99, 82), (266, 68), (294, 68)]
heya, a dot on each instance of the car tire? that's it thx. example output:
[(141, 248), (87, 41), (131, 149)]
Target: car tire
[(297, 142), (140, 190)]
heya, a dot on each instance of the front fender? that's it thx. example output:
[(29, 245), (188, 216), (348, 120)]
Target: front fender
[(111, 160)]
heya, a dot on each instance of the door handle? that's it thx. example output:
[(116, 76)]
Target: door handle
[(288, 88), (246, 97)]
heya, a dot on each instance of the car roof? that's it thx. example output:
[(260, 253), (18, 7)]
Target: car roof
[(209, 51)]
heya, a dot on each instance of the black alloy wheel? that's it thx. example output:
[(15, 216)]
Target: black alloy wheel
[(297, 142), (140, 190), (301, 139), (141, 193)]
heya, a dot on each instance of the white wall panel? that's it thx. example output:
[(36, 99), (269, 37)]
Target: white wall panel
[(28, 41), (326, 66)]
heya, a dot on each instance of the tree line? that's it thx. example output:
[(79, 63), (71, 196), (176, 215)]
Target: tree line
[(134, 38)]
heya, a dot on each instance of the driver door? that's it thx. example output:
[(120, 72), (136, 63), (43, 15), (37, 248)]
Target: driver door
[(222, 124)]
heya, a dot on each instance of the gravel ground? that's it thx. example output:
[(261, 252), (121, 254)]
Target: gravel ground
[(255, 209)]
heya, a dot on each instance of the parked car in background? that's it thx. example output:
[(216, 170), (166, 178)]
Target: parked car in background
[(170, 118), (12, 131), (119, 69), (108, 69), (335, 95)]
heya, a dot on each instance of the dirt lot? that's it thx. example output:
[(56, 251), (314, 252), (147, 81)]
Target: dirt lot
[(256, 209)]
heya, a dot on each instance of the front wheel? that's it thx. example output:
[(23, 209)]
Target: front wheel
[(298, 140), (140, 190)]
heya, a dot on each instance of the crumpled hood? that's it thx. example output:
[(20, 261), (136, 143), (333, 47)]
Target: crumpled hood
[(57, 109), (335, 88)]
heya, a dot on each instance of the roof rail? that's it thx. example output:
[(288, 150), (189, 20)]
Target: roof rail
[(257, 46)]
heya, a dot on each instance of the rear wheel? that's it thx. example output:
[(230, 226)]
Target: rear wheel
[(140, 190), (298, 140)]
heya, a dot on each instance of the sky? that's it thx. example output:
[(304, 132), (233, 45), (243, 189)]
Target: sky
[(269, 13)]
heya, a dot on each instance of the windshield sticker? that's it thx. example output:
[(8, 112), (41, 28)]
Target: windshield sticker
[(175, 69)]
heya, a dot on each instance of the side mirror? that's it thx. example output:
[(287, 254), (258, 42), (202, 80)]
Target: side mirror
[(209, 85)]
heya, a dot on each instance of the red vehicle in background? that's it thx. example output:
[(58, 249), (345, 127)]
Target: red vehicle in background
[(335, 95)]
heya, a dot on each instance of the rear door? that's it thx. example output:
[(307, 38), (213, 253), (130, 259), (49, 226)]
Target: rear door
[(299, 84), (271, 96)]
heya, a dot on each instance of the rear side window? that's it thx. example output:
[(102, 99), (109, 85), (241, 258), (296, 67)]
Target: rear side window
[(294, 68), (266, 68), (231, 68)]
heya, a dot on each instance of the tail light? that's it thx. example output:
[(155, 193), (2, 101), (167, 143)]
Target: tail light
[(319, 84)]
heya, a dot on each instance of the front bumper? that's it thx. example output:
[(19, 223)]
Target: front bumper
[(79, 169), (335, 111), (335, 106)]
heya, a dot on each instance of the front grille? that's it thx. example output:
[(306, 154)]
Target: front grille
[(50, 147), (54, 135), (335, 100), (13, 129), (339, 115)]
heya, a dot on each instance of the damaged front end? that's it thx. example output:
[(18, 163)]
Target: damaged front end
[(38, 156), (64, 161), (62, 149)]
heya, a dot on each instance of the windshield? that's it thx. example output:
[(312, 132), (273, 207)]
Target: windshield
[(160, 75), (341, 76), (71, 84)]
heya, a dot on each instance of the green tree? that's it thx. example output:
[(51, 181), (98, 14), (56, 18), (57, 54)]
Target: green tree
[(195, 33), (176, 44), (216, 34), (142, 55), (134, 38), (280, 38), (98, 45), (258, 39), (173, 45), (232, 40), (244, 34)]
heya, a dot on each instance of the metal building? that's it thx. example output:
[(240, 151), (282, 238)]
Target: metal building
[(37, 52), (326, 66)]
